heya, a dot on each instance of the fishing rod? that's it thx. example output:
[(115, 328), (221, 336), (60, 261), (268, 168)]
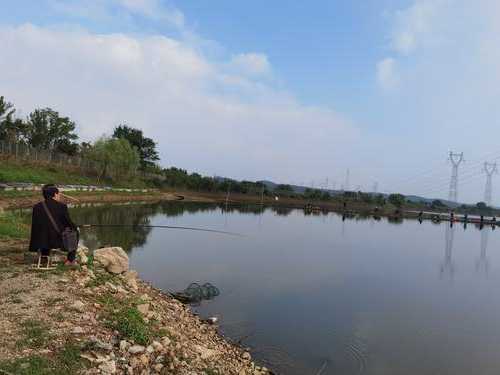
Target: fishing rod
[(159, 226)]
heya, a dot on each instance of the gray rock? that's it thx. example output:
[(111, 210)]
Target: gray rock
[(246, 356), (143, 308), (77, 330), (157, 346), (124, 345), (136, 349), (78, 306), (98, 344), (113, 259), (108, 367)]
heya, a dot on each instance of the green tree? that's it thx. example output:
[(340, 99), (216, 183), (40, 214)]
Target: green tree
[(396, 199), (436, 203), (6, 109), (11, 129), (284, 188), (481, 206), (46, 129), (146, 147), (114, 158)]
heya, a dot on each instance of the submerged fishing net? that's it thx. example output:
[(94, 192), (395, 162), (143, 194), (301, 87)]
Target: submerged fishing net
[(195, 293)]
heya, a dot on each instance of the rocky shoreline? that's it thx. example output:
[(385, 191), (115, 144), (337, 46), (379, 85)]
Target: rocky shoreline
[(100, 318)]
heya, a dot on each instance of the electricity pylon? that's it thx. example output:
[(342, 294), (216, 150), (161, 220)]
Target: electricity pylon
[(456, 160), (489, 169)]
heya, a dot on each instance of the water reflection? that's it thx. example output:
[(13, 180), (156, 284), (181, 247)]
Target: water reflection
[(447, 268), (482, 262), (307, 300)]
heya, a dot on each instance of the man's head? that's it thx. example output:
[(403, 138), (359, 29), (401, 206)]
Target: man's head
[(50, 191)]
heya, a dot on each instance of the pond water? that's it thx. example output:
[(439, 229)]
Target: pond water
[(322, 294)]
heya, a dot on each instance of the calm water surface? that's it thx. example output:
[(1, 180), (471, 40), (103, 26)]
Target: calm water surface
[(318, 295)]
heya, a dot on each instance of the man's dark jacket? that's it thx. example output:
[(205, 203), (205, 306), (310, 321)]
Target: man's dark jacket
[(43, 233)]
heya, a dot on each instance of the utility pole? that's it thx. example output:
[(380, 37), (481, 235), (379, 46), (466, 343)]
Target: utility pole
[(489, 169), (456, 159), (346, 186)]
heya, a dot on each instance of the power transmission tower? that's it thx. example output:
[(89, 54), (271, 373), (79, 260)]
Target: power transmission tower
[(346, 186), (375, 187), (455, 159), (489, 169)]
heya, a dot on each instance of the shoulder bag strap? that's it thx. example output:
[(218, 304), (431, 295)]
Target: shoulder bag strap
[(51, 218)]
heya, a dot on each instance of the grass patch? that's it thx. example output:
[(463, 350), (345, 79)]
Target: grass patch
[(40, 174), (13, 225), (129, 322), (35, 334), (101, 279), (32, 365), (123, 316), (67, 361), (43, 173)]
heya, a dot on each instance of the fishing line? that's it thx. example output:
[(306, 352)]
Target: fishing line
[(160, 226)]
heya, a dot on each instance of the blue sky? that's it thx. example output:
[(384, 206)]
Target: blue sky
[(286, 90)]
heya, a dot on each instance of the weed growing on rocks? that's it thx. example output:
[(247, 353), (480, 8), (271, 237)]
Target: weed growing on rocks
[(67, 361), (124, 317), (35, 334)]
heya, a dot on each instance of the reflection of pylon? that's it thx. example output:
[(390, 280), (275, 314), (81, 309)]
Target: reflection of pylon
[(482, 262), (447, 266), (489, 169), (456, 160)]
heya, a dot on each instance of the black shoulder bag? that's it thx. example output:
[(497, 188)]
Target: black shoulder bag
[(69, 236)]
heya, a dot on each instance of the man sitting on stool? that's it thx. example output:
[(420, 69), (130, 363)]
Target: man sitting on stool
[(44, 235)]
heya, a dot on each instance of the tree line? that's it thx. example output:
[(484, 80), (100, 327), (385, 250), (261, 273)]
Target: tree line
[(128, 150), (120, 155)]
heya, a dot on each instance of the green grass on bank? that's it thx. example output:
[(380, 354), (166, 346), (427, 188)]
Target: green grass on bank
[(16, 172), (11, 171), (66, 361), (13, 225), (123, 316)]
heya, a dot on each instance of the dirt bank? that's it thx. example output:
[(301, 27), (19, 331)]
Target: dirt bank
[(28, 199)]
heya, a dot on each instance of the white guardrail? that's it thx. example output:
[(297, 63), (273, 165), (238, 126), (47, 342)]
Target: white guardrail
[(26, 186)]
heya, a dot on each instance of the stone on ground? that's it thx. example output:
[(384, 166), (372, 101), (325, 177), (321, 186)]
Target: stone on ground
[(113, 259)]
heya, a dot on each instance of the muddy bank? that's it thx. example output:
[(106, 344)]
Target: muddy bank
[(87, 320), (28, 199)]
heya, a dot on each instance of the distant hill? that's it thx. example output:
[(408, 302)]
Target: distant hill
[(412, 198), (301, 189)]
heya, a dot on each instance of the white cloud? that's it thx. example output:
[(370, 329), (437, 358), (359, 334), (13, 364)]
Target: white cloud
[(204, 116), (387, 76), (417, 25), (251, 63), (450, 70)]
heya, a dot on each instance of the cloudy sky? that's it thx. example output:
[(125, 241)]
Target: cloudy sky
[(291, 91)]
